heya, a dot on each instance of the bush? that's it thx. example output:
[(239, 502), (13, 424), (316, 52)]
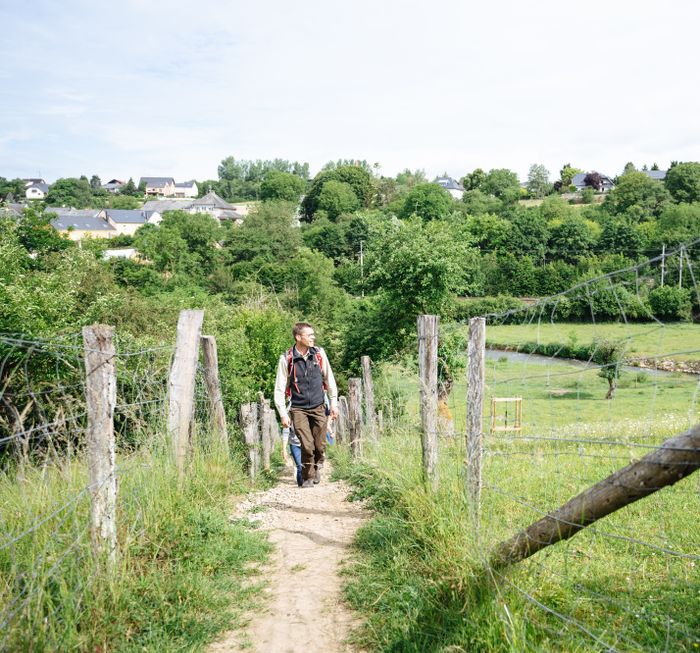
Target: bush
[(463, 310), (587, 195), (671, 303)]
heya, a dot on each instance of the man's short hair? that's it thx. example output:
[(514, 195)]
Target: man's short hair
[(299, 327)]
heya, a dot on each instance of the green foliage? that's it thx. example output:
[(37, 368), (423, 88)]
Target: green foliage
[(283, 186), (474, 180), (336, 198), (566, 175), (538, 185), (670, 303), (637, 195), (408, 179), (587, 195), (502, 184), (326, 237), (571, 240), (428, 201), (608, 354), (70, 192), (241, 179), (679, 223), (478, 203), (129, 189), (35, 233), (124, 201), (490, 232), (12, 187), (623, 237), (359, 179), (683, 182)]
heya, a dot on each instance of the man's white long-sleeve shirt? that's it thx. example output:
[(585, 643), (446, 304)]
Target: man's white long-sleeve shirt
[(282, 380)]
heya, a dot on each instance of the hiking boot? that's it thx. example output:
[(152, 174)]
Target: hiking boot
[(317, 478), (307, 483)]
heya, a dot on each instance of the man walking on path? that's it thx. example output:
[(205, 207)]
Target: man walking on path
[(304, 374)]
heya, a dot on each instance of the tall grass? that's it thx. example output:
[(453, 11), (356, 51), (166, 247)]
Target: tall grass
[(630, 583), (184, 571)]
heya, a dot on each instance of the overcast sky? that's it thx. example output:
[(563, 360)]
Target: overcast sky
[(169, 88)]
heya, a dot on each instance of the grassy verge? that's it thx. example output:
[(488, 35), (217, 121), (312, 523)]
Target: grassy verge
[(629, 584), (182, 564)]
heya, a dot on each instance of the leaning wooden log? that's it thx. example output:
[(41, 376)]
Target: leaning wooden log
[(672, 461)]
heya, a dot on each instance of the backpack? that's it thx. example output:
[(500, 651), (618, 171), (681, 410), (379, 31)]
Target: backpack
[(292, 371)]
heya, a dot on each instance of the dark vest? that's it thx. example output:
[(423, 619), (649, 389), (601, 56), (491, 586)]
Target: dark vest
[(308, 390)]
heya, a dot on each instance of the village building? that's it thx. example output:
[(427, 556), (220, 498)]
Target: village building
[(159, 186), (126, 221), (187, 189), (453, 187)]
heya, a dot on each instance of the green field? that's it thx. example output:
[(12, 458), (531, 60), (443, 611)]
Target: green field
[(677, 341), (630, 583)]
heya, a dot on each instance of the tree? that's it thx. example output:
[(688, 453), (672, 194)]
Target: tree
[(594, 180), (123, 202), (608, 355), (502, 184), (36, 234), (429, 201), (679, 223), (409, 179), (538, 181), (359, 179), (528, 234), (70, 192), (629, 167), (637, 195), (241, 178), (283, 186), (337, 197), (13, 187), (95, 183), (571, 240), (474, 180), (621, 236), (129, 189), (567, 174), (683, 182)]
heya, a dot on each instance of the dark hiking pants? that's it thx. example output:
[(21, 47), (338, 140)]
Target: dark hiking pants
[(310, 427)]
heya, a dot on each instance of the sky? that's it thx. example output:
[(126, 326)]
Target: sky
[(170, 88)]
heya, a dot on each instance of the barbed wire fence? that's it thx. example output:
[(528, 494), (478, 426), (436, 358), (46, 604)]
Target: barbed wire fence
[(85, 420), (559, 399)]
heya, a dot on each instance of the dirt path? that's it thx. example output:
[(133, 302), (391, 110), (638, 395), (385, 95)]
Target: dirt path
[(311, 529)]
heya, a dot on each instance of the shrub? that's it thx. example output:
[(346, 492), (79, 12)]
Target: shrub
[(671, 303)]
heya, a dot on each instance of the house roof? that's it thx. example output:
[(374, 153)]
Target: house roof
[(83, 223), (44, 188), (448, 183), (186, 184), (129, 216), (578, 179), (114, 183), (68, 211), (156, 182), (660, 175), (29, 182), (166, 205), (212, 199)]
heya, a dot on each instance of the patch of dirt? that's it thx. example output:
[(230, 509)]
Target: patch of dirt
[(312, 529)]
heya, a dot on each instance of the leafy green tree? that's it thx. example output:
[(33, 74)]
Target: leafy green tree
[(629, 167), (683, 182), (70, 192), (478, 203), (283, 186), (96, 183), (571, 240), (555, 208), (679, 223), (36, 235), (123, 202), (129, 189), (620, 236), (359, 179), (336, 198), (165, 248), (474, 180), (538, 181), (429, 201), (326, 237), (503, 184), (528, 234), (608, 355), (241, 179), (566, 176), (670, 303), (490, 232), (12, 187), (637, 195), (410, 178)]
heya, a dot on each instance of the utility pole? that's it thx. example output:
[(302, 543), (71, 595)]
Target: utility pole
[(362, 267), (680, 268), (663, 262)]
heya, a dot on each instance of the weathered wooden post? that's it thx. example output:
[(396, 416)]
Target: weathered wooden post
[(355, 416), (216, 403), (476, 360), (101, 398), (428, 329), (263, 428), (368, 392), (273, 434), (341, 429), (249, 424), (266, 435), (181, 384)]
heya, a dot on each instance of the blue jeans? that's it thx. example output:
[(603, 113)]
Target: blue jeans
[(295, 450)]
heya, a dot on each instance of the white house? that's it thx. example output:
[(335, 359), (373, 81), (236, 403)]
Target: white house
[(187, 189), (36, 191), (212, 204), (113, 186), (451, 186), (156, 186), (578, 181), (126, 221)]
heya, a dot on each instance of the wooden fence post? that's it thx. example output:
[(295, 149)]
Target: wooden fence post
[(181, 384), (355, 416), (273, 430), (341, 429), (211, 378), (368, 392), (249, 423), (101, 398), (476, 358), (265, 434), (428, 329)]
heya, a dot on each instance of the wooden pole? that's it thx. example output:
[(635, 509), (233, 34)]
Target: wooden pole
[(101, 398), (476, 361), (355, 416), (368, 392), (673, 460), (428, 329), (181, 384), (341, 429), (249, 424), (216, 403), (266, 434)]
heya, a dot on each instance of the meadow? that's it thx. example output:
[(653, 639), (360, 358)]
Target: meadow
[(628, 583)]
